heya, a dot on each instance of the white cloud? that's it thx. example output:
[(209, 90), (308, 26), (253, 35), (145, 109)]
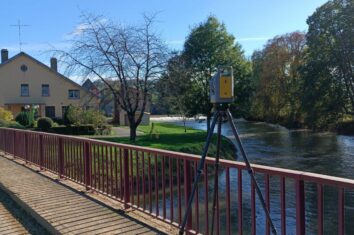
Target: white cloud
[(80, 28)]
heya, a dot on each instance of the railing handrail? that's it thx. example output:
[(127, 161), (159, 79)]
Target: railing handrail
[(295, 174)]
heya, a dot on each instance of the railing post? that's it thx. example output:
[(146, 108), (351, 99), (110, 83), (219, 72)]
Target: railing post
[(60, 158), (300, 207), (26, 147), (187, 190), (126, 179), (341, 212), (88, 165), (13, 143), (41, 162)]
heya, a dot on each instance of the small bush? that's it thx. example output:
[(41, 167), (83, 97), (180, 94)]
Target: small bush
[(11, 124), (79, 116), (59, 121), (25, 118), (15, 125), (44, 124), (55, 124), (103, 130), (3, 123), (74, 130), (6, 115)]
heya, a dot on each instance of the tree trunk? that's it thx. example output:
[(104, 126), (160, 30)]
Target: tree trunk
[(116, 113), (132, 126), (133, 132)]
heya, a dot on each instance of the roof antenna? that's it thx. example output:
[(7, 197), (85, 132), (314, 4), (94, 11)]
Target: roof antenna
[(19, 26)]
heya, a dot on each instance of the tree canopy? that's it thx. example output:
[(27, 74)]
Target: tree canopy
[(328, 71), (277, 80), (207, 47)]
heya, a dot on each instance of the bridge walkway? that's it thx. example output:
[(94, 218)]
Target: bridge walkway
[(8, 222), (60, 209)]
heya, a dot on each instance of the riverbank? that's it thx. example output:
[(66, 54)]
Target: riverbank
[(172, 137)]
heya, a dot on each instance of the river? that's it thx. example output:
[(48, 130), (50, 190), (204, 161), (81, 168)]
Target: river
[(273, 145)]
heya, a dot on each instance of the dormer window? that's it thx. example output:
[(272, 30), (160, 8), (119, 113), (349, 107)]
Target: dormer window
[(74, 94)]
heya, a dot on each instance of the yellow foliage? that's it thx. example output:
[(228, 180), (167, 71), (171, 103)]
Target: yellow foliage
[(6, 115)]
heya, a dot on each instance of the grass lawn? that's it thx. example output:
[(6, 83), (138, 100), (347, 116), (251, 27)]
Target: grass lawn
[(172, 137)]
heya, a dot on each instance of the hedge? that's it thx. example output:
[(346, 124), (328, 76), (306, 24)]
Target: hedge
[(74, 130)]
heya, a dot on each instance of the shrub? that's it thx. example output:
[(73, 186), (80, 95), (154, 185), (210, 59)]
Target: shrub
[(103, 130), (6, 115), (11, 124), (3, 123), (25, 118), (74, 130), (44, 124), (79, 116), (71, 116), (58, 121), (55, 124), (15, 125)]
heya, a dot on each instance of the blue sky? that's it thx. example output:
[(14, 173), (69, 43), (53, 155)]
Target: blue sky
[(252, 22)]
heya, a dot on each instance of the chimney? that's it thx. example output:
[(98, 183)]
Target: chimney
[(4, 55), (54, 64)]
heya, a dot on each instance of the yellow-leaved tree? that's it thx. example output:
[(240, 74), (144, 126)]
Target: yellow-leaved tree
[(6, 115)]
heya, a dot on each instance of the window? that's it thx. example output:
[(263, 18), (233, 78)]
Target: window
[(63, 110), (74, 94), (50, 111), (45, 90), (24, 90)]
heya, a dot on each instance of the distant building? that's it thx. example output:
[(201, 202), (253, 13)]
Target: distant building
[(107, 106), (25, 81)]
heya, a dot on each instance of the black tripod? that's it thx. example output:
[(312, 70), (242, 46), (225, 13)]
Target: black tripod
[(222, 112)]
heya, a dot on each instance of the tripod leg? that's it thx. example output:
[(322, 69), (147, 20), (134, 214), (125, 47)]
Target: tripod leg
[(250, 171), (199, 173), (216, 175)]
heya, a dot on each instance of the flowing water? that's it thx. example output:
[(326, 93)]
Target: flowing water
[(273, 145)]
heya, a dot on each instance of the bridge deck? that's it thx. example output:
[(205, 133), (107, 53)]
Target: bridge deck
[(60, 209), (8, 223)]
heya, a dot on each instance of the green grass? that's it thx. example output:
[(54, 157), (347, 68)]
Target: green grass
[(172, 137)]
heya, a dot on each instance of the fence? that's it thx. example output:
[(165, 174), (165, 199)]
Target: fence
[(158, 183)]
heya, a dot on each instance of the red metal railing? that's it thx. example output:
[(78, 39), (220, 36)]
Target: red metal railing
[(158, 183)]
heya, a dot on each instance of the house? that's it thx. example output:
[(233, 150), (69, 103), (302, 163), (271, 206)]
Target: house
[(107, 105), (25, 81)]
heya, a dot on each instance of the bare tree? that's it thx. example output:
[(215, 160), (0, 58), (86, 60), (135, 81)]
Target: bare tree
[(127, 59)]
